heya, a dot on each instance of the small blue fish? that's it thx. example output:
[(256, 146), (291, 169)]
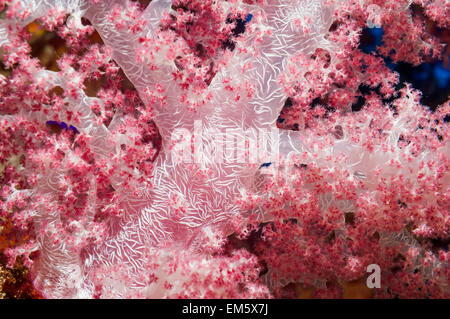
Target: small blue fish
[(62, 126)]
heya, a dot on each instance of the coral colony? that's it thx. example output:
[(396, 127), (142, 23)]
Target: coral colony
[(222, 155)]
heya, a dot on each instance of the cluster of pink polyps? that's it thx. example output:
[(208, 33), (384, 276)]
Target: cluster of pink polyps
[(110, 213)]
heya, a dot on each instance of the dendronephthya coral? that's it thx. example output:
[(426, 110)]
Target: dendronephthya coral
[(342, 191)]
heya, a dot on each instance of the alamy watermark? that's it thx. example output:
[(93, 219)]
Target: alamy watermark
[(229, 145), (374, 279)]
